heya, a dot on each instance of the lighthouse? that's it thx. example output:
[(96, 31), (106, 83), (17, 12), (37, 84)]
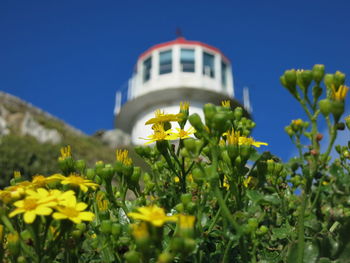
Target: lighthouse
[(171, 72)]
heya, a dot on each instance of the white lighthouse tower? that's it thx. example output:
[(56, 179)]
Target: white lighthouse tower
[(170, 72)]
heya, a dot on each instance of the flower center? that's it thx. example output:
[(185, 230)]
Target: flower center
[(30, 204), (70, 212)]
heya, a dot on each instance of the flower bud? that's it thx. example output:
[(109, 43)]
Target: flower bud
[(262, 230), (325, 106), (90, 173), (238, 113), (186, 198), (318, 73), (107, 172), (289, 84), (233, 151), (209, 112), (80, 165), (106, 226), (180, 207), (238, 161), (198, 175), (290, 77), (165, 257), (337, 109), (339, 78), (289, 131), (304, 78), (191, 207), (196, 122), (219, 121), (329, 80), (132, 257)]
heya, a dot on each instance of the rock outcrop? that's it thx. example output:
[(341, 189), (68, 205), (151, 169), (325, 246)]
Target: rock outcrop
[(20, 117)]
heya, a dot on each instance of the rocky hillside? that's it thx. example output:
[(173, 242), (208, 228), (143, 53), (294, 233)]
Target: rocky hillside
[(30, 139)]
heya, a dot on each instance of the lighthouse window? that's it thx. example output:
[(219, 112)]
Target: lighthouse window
[(223, 74), (147, 65), (208, 64), (187, 60), (165, 62)]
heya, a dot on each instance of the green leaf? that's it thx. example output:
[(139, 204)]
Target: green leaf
[(255, 196), (272, 199), (282, 232)]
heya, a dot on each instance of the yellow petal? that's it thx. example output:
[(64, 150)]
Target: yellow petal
[(29, 217), (16, 212), (58, 216), (86, 216), (43, 210), (81, 206)]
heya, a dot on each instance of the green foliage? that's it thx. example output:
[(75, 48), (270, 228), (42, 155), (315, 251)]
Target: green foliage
[(27, 155), (212, 198)]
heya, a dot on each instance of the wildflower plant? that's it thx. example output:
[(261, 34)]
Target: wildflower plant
[(211, 193)]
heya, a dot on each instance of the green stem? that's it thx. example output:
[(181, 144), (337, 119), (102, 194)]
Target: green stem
[(225, 211), (301, 235), (217, 215), (333, 136), (225, 258)]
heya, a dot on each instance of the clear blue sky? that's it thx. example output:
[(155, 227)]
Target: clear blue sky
[(69, 57)]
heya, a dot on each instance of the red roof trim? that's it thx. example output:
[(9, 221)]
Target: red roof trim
[(183, 41)]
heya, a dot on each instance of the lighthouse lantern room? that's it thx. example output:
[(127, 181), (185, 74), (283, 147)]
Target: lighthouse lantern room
[(168, 73)]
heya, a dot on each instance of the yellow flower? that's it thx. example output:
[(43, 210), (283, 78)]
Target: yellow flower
[(225, 183), (102, 203), (55, 195), (182, 134), (122, 156), (40, 180), (80, 182), (184, 105), (226, 103), (247, 181), (152, 214), (235, 138), (65, 153), (160, 134), (339, 94), (15, 191), (140, 231), (73, 211), (232, 137), (176, 179), (17, 174), (186, 221), (32, 206), (161, 117), (297, 122), (250, 141)]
